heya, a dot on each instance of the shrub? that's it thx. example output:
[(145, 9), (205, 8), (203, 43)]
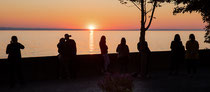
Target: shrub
[(116, 83)]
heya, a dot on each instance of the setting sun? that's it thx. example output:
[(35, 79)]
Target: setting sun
[(91, 27)]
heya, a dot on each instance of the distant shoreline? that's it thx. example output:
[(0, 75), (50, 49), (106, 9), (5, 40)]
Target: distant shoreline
[(55, 29)]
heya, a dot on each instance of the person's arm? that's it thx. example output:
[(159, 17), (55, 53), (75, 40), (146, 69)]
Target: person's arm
[(8, 49), (118, 47), (58, 46), (197, 45), (182, 47), (171, 46), (138, 46), (75, 48), (128, 49), (21, 46), (187, 45), (106, 47), (100, 45)]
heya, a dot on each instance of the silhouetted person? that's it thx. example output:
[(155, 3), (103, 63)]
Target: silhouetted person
[(123, 55), (14, 60), (144, 53), (192, 54), (70, 54), (61, 46), (63, 60), (104, 53), (177, 55)]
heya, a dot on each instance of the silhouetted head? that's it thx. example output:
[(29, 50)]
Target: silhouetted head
[(177, 37), (14, 39), (67, 36), (123, 41), (192, 37), (103, 39), (62, 40)]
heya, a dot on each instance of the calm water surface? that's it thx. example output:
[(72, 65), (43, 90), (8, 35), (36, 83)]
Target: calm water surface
[(44, 43)]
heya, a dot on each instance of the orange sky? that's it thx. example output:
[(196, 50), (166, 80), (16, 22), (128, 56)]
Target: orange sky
[(105, 14)]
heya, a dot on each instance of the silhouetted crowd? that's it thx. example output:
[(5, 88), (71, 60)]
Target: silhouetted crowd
[(67, 57), (178, 55)]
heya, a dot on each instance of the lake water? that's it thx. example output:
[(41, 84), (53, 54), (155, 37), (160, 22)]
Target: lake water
[(44, 43)]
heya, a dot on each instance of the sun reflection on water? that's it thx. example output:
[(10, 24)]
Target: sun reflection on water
[(91, 41)]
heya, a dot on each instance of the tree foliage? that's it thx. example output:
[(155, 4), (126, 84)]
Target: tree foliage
[(199, 6)]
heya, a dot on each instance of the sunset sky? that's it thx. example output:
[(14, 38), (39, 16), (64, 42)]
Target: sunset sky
[(79, 14)]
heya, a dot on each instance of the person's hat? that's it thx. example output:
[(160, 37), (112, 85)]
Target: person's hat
[(67, 35)]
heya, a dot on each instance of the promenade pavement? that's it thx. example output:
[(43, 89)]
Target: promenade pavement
[(159, 82)]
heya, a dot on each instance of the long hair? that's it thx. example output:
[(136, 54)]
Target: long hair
[(177, 38), (103, 40), (123, 41)]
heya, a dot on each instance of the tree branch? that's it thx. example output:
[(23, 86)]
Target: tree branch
[(136, 5), (149, 11), (153, 10), (145, 14), (142, 15)]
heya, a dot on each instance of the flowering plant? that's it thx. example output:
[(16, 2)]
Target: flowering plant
[(116, 83)]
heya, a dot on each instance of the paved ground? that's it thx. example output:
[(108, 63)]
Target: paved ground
[(159, 82)]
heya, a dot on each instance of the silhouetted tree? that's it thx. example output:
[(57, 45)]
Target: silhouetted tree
[(147, 15), (142, 6), (199, 6)]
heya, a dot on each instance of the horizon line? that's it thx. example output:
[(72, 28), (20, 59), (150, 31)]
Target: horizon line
[(114, 29)]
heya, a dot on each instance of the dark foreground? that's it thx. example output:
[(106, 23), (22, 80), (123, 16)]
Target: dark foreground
[(40, 75), (159, 82)]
